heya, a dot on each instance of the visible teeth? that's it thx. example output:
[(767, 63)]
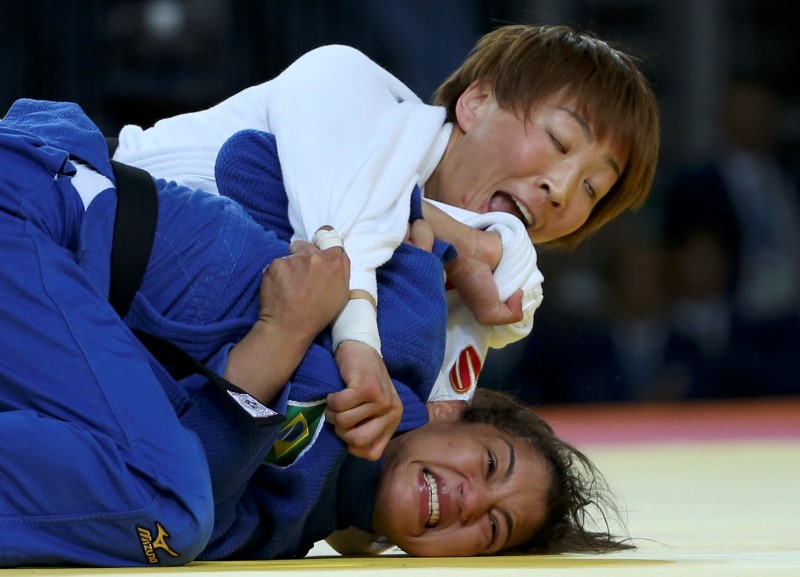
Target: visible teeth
[(433, 502), (525, 214)]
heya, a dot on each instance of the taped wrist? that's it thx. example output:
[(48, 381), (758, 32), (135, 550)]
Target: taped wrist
[(358, 321)]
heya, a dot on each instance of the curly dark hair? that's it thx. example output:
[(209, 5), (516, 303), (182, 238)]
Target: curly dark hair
[(578, 492)]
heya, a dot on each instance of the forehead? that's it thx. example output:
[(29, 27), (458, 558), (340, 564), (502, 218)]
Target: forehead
[(596, 116), (529, 502), (587, 111), (529, 485)]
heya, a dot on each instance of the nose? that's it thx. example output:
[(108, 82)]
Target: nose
[(557, 184), (474, 501), (555, 190)]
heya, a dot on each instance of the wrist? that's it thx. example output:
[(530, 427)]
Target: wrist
[(358, 321)]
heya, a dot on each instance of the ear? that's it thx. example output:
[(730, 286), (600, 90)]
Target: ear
[(470, 104), (445, 410)]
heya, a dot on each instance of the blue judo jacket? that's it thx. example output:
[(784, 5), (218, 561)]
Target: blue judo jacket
[(276, 490)]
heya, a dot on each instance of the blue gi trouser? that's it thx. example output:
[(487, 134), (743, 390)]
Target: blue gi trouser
[(95, 467)]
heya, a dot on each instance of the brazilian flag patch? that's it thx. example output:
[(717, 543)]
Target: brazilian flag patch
[(303, 423)]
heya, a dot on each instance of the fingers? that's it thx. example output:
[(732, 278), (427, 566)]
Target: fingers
[(358, 443), (505, 313), (420, 234), (502, 313), (349, 407), (302, 247), (305, 290), (515, 305), (365, 434), (326, 237), (366, 413)]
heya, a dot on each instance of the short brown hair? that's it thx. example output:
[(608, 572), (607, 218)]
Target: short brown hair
[(525, 64)]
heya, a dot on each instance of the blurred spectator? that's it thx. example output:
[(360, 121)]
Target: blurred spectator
[(702, 310), (410, 38), (746, 202), (607, 335), (419, 41), (651, 360)]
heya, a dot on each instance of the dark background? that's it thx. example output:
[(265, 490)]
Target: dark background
[(655, 307)]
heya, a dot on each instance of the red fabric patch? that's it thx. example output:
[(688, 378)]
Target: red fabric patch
[(465, 371)]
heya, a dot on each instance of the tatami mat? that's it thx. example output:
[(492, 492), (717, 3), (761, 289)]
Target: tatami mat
[(710, 489)]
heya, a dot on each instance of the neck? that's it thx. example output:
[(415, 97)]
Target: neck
[(358, 487), (433, 186)]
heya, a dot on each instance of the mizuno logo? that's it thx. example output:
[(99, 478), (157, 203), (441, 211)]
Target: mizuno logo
[(150, 545)]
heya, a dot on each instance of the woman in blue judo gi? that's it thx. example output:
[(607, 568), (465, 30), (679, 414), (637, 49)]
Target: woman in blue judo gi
[(108, 460)]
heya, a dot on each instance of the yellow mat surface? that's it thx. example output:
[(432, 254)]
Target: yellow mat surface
[(698, 504)]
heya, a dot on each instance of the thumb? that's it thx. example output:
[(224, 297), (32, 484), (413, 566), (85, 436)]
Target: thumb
[(506, 313)]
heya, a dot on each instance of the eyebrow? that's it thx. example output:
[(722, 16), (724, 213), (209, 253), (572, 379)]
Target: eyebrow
[(587, 132), (512, 461)]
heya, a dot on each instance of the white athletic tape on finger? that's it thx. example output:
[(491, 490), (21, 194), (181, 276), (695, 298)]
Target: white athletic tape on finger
[(325, 239), (358, 321)]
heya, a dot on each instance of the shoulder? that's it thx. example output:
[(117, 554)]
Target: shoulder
[(337, 65), (336, 54), (334, 61)]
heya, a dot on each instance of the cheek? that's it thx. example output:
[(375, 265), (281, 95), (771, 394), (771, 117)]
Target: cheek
[(394, 502), (465, 541), (528, 158), (391, 518), (579, 214), (472, 191), (559, 227), (574, 218)]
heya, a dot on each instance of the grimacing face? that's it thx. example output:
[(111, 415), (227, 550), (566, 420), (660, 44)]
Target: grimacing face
[(453, 488), (550, 171)]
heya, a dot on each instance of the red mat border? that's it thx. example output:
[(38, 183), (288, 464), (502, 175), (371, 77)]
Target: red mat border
[(684, 421)]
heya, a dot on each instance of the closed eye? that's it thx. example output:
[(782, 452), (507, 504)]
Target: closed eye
[(491, 464), (495, 530), (558, 144)]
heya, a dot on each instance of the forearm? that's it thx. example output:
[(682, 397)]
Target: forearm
[(264, 360)]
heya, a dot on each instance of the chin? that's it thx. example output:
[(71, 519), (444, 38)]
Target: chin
[(410, 549), (425, 550)]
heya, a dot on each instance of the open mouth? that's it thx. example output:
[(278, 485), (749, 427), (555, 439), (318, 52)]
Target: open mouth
[(433, 501), (504, 202)]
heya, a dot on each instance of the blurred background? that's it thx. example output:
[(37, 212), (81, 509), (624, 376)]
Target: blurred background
[(696, 296)]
